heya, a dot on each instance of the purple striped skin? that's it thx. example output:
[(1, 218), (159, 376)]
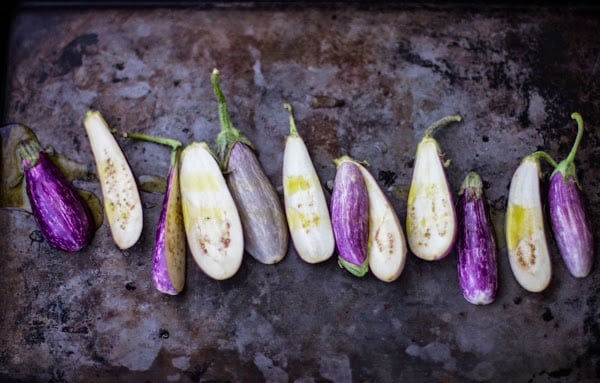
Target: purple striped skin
[(62, 215), (571, 228), (266, 234), (350, 218), (170, 224), (476, 253)]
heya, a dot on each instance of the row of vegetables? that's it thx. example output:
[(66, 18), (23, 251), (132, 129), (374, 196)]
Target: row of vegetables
[(222, 204)]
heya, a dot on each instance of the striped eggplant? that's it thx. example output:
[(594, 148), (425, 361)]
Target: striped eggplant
[(476, 253), (305, 205), (61, 214), (430, 217), (350, 216), (525, 233), (168, 256), (265, 229), (571, 227), (212, 224), (122, 203), (387, 245)]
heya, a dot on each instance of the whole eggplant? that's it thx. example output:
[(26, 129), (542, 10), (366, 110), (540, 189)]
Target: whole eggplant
[(62, 215), (476, 254), (571, 227), (350, 217), (266, 234)]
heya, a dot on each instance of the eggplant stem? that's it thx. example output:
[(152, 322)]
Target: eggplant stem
[(293, 130), (577, 117), (175, 145), (28, 152), (441, 122), (545, 156), (229, 135)]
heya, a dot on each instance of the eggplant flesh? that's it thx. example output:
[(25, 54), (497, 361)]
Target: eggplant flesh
[(350, 217), (570, 225), (266, 235), (62, 215), (476, 246)]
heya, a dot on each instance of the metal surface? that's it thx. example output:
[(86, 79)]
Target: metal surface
[(362, 82)]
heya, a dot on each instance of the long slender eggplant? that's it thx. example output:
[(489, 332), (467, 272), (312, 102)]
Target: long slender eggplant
[(571, 227), (350, 216), (387, 245), (62, 215), (212, 224), (265, 229), (476, 253), (168, 256), (305, 205), (122, 203), (430, 217), (525, 233)]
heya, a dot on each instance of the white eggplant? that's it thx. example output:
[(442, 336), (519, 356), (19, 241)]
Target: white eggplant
[(525, 234), (387, 245), (305, 205), (122, 203), (212, 223), (431, 216)]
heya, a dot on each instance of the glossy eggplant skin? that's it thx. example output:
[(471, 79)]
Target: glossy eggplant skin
[(476, 247), (571, 228), (266, 234), (350, 217), (62, 215)]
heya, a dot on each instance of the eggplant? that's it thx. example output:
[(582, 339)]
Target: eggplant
[(305, 205), (61, 214), (431, 216), (528, 253), (263, 220), (570, 225), (350, 216), (122, 203), (387, 248), (168, 256), (476, 247), (212, 224)]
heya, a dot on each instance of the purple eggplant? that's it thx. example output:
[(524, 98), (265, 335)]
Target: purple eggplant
[(62, 215), (168, 257), (350, 217), (571, 227), (266, 233), (476, 255)]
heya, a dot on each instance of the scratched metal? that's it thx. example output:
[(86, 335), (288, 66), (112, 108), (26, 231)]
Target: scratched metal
[(362, 82)]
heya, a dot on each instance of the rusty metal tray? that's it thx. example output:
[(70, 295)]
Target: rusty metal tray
[(363, 81)]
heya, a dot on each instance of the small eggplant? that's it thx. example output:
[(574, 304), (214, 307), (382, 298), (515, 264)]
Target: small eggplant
[(431, 217), (387, 244), (62, 215), (212, 223), (570, 224), (525, 234), (476, 253), (265, 229), (305, 205), (122, 203), (350, 216), (168, 257)]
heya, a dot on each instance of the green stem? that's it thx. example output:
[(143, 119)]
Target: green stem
[(229, 135), (29, 153), (293, 130), (541, 154), (441, 122), (567, 166), (172, 143), (577, 117)]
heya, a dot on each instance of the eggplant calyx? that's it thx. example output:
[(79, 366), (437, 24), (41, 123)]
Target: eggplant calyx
[(293, 130), (29, 153), (472, 185), (229, 135), (442, 122), (356, 270), (566, 167)]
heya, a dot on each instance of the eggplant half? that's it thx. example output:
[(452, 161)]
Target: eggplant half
[(61, 214)]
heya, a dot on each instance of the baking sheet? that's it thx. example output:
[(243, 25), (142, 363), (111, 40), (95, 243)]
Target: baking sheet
[(363, 82)]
